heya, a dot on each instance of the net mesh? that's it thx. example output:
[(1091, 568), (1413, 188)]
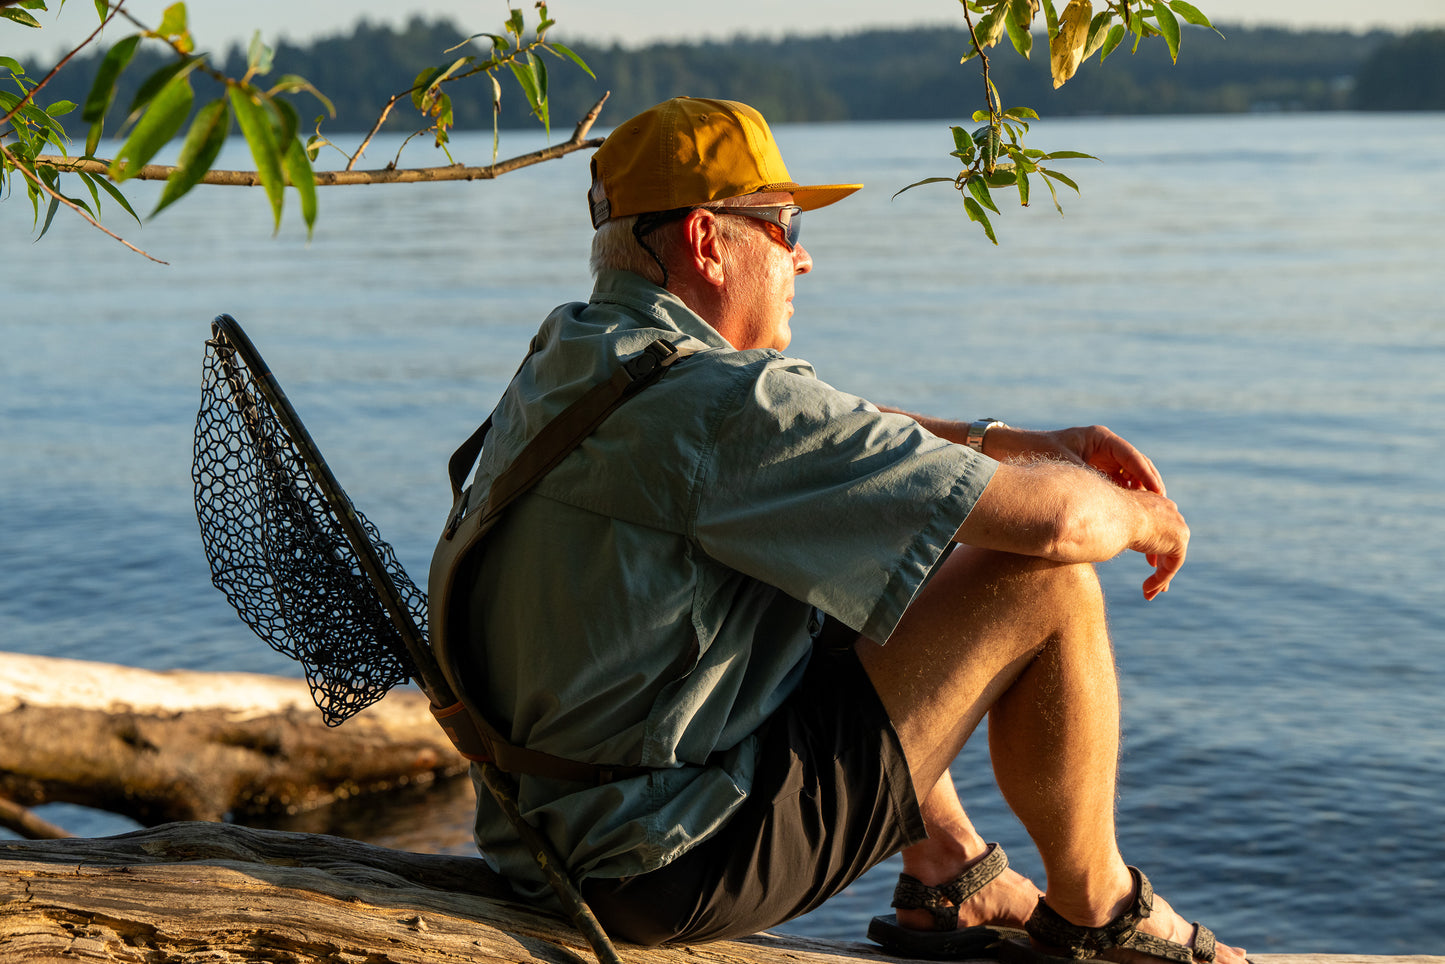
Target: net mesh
[(278, 552)]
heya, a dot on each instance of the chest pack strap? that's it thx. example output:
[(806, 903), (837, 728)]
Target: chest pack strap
[(468, 727)]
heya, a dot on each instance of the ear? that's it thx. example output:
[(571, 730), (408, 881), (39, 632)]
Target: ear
[(702, 245)]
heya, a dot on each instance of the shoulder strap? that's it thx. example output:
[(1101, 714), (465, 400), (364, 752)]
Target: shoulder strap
[(469, 729)]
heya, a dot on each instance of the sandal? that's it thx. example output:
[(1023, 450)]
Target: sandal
[(947, 941), (1067, 941)]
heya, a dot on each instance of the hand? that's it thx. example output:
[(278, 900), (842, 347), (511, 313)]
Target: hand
[(1165, 544)]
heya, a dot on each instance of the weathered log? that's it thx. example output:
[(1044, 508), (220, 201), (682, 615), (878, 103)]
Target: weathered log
[(223, 894), (199, 746)]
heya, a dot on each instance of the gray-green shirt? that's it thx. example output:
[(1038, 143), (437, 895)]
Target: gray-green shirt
[(648, 602)]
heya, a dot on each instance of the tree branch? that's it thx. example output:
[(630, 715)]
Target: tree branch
[(15, 817), (387, 175)]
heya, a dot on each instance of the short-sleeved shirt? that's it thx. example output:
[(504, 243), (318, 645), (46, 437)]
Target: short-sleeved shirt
[(649, 601)]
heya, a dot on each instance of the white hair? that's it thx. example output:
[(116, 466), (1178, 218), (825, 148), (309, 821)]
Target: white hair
[(615, 246)]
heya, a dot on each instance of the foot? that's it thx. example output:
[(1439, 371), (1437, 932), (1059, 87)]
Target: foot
[(1158, 920), (1005, 901)]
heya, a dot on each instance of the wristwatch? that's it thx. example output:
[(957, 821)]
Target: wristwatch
[(976, 431)]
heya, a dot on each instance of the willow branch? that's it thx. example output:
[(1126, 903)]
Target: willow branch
[(47, 189), (30, 94), (386, 111), (387, 175)]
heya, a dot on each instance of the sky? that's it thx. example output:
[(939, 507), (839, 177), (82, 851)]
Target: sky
[(219, 23)]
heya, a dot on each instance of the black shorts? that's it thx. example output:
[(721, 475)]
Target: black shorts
[(831, 797)]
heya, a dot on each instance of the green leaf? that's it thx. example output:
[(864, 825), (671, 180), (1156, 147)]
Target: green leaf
[(567, 52), (203, 142), (980, 191), (1098, 33), (256, 128), (1169, 27), (118, 197), (49, 212), (1018, 34), (1191, 14), (926, 180), (528, 82), (60, 108), (1051, 18), (298, 171), (1061, 178), (1053, 194), (173, 21), (975, 213), (1004, 175), (157, 82), (516, 24), (1022, 113), (102, 90), (1063, 155), (161, 121), (1116, 36), (285, 119), (259, 57), (291, 83), (102, 9), (1023, 189), (991, 27), (25, 20), (12, 65)]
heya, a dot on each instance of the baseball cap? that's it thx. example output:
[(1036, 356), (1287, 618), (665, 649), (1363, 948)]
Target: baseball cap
[(690, 151)]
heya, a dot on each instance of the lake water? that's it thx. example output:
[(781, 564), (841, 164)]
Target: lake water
[(1256, 301)]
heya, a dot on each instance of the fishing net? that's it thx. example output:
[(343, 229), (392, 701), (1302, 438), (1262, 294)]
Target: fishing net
[(277, 548)]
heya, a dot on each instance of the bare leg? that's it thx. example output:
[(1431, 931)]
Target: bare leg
[(1024, 641)]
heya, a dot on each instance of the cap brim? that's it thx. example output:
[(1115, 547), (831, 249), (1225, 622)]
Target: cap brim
[(812, 196)]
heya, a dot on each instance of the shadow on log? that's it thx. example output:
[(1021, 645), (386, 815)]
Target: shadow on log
[(221, 894), (178, 745)]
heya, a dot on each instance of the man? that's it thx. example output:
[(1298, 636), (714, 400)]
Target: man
[(759, 617)]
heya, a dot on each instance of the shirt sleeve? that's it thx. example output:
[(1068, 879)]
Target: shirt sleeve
[(819, 493)]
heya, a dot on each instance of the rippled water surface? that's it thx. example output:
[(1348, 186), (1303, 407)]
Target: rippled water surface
[(1236, 295)]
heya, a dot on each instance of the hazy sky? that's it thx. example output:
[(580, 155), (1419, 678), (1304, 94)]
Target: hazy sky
[(217, 23)]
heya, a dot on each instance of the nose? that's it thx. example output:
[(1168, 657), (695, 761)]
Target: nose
[(802, 260)]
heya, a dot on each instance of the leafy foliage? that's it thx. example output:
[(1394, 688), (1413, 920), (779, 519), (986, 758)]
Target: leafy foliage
[(164, 105), (995, 155)]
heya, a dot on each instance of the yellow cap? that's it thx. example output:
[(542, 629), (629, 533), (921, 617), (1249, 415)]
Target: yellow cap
[(689, 151)]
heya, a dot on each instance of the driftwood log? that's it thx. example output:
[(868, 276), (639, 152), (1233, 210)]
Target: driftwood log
[(222, 894), (179, 745)]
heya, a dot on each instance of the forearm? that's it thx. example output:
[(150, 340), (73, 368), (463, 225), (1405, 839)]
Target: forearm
[(1068, 513)]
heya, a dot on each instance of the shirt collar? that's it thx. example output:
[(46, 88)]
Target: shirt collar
[(637, 294)]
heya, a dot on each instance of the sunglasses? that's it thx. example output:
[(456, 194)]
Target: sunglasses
[(789, 217)]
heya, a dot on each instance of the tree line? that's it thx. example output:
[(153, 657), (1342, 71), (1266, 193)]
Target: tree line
[(877, 74)]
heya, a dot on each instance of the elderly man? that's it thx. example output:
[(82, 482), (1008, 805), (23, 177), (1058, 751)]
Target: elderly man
[(734, 636)]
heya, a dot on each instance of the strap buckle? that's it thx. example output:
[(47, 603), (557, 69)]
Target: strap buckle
[(650, 362)]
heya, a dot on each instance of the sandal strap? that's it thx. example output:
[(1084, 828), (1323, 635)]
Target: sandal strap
[(944, 900), (1051, 929)]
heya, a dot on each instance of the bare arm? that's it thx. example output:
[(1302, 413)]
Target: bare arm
[(1072, 495)]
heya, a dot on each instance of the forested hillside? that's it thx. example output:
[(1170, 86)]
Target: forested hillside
[(896, 74)]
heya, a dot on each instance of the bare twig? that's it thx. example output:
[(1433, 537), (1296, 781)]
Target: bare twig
[(47, 189), (22, 821)]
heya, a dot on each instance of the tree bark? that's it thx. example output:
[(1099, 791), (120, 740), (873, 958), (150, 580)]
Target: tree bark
[(196, 893), (159, 747)]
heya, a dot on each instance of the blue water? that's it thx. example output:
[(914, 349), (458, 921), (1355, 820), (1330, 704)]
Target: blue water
[(1255, 301)]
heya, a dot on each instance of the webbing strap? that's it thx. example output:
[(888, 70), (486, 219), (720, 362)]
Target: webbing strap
[(469, 729)]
